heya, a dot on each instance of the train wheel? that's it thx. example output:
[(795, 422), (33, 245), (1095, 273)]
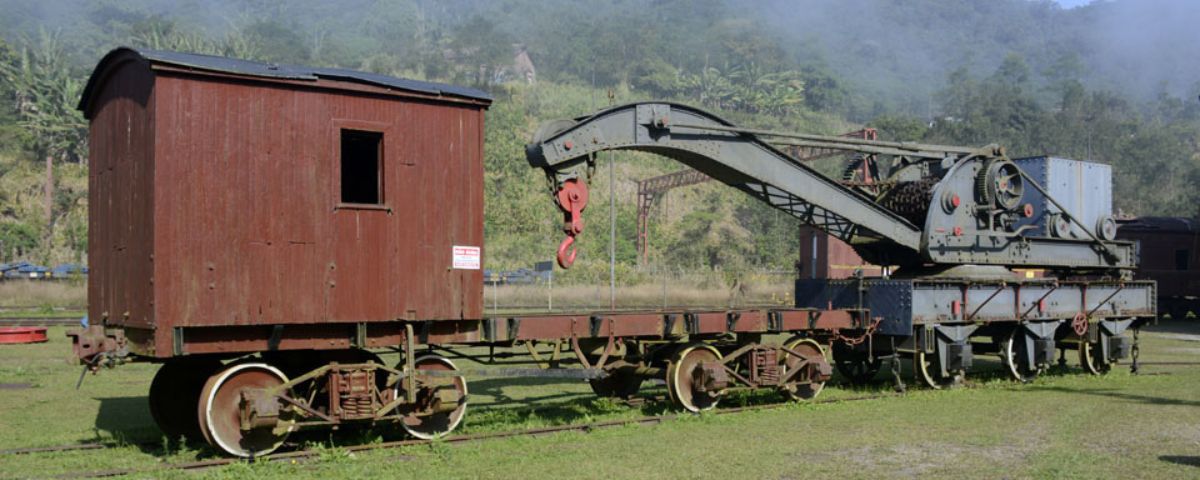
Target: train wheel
[(616, 385), (175, 396), (683, 385), (220, 410), (441, 401), (1012, 350), (1089, 361), (929, 374), (858, 367), (812, 352)]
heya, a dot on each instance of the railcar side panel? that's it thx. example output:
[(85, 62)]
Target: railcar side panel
[(249, 194), (120, 199)]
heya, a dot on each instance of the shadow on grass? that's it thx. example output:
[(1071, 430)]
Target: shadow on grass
[(127, 421), (1181, 460), (494, 388), (1184, 325), (1119, 395)]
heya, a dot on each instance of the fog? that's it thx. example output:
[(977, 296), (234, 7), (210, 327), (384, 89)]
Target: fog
[(1140, 47), (898, 51)]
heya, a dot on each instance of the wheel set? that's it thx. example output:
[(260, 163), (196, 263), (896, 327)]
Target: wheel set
[(1025, 352), (248, 408), (698, 374)]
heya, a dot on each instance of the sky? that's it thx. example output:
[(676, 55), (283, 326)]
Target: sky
[(1072, 3)]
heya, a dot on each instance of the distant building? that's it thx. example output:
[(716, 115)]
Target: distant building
[(522, 66)]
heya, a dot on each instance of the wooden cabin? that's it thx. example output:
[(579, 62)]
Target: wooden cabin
[(228, 195)]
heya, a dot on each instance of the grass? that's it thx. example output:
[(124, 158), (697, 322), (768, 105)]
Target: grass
[(43, 312), (1062, 425), (43, 294), (652, 290)]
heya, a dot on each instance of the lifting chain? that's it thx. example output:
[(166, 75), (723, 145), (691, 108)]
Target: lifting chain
[(911, 199), (896, 367), (852, 341), (1133, 367)]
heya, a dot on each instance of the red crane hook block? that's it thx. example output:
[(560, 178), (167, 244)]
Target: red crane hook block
[(566, 252), (572, 197)]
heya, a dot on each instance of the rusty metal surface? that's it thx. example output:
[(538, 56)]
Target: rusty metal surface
[(825, 256), (235, 339), (274, 212), (120, 197), (216, 203)]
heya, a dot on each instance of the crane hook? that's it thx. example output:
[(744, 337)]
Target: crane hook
[(565, 259), (572, 197)]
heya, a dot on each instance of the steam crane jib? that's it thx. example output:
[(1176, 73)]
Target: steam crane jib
[(939, 206)]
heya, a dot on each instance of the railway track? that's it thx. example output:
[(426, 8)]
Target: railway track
[(451, 440), (457, 439), (70, 321)]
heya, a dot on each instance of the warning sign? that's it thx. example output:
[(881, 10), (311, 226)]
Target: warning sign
[(466, 258)]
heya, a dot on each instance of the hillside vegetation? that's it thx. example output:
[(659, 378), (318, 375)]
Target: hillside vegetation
[(1028, 75)]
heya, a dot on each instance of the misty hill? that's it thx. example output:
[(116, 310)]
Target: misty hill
[(1109, 82)]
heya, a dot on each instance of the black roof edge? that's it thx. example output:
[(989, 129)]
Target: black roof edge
[(269, 70), (1162, 224)]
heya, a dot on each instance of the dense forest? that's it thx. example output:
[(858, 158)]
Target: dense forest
[(1110, 82)]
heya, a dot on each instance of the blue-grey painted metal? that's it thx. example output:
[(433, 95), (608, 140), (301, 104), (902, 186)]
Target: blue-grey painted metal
[(742, 161), (1084, 188), (970, 200), (901, 304)]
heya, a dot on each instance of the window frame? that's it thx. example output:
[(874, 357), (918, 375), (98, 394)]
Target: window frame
[(384, 131)]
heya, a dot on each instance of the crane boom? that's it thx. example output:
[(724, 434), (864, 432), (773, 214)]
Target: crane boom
[(945, 205)]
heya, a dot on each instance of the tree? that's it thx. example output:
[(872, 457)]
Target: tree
[(483, 49), (11, 133), (46, 91), (277, 42), (46, 94)]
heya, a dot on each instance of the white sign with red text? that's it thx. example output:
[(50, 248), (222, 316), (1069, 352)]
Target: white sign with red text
[(466, 258)]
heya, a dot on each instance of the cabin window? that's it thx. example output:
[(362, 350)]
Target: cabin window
[(1181, 259), (362, 167)]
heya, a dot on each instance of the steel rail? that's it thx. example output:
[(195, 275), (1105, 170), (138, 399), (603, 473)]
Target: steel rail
[(462, 439), (40, 322), (458, 439)]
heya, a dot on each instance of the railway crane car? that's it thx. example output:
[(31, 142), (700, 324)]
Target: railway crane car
[(264, 231)]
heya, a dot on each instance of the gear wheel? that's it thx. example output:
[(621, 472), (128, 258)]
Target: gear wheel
[(999, 184), (853, 176), (911, 200)]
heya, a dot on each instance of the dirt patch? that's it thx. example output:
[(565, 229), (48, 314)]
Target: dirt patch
[(15, 386), (919, 460)]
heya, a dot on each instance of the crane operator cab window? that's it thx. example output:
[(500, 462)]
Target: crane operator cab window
[(362, 165)]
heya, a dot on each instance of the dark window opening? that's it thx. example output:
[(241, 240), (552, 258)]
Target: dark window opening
[(362, 154), (1181, 259)]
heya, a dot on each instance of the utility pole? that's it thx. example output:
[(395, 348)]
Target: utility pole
[(612, 226), (49, 191)]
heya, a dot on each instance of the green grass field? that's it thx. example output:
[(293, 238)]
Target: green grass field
[(1062, 425)]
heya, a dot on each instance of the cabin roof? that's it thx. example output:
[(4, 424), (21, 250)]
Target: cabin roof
[(263, 70)]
